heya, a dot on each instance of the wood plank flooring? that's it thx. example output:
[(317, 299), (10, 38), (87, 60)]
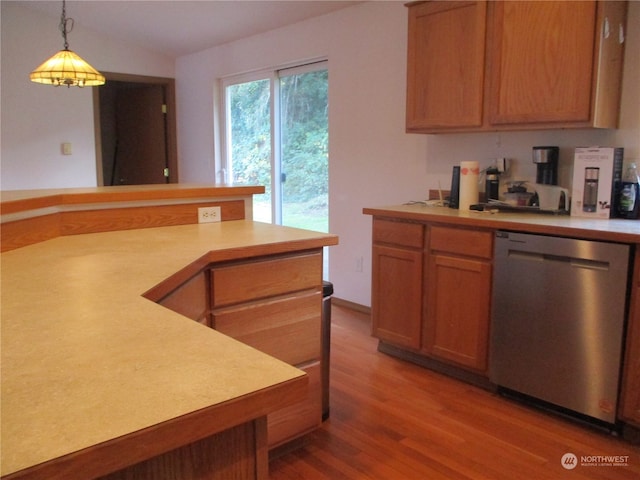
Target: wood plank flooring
[(394, 420)]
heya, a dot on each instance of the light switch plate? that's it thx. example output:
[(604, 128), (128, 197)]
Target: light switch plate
[(66, 148)]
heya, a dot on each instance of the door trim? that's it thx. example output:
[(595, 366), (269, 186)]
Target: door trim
[(171, 126)]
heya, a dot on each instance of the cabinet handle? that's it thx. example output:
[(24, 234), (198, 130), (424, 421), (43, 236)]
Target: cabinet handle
[(620, 34), (606, 29)]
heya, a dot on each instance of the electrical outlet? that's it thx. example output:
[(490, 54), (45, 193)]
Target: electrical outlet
[(209, 214), (359, 264)]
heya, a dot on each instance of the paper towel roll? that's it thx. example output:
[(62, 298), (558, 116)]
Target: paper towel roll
[(469, 173)]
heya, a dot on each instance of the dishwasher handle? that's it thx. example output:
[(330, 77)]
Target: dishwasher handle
[(546, 257)]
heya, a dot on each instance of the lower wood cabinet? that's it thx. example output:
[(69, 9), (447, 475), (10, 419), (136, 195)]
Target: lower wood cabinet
[(456, 327), (286, 327), (630, 402), (299, 418), (191, 299), (431, 303), (431, 290), (274, 304), (397, 282), (396, 304)]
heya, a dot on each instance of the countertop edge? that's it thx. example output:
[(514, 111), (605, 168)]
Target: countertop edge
[(136, 447), (25, 200), (560, 225)]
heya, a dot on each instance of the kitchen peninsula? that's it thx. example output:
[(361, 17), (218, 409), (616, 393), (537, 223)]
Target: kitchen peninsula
[(426, 257), (99, 379)]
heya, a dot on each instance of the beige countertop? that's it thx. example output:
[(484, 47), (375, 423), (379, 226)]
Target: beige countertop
[(16, 204), (616, 230), (87, 359)]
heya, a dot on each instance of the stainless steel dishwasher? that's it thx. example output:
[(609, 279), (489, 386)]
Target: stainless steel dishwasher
[(558, 316)]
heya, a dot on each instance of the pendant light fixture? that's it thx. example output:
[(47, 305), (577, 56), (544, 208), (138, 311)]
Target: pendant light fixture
[(65, 67)]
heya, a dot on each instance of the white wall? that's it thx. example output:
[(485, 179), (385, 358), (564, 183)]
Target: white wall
[(372, 161), (36, 118)]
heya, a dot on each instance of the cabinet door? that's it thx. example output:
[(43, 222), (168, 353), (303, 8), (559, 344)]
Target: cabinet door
[(542, 61), (397, 295), (631, 371), (458, 302), (445, 65)]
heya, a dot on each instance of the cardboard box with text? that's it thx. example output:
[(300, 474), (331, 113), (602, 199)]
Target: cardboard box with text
[(596, 171)]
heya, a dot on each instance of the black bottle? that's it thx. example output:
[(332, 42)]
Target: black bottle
[(628, 201)]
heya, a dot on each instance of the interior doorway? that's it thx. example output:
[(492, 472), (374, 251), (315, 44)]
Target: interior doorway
[(135, 130)]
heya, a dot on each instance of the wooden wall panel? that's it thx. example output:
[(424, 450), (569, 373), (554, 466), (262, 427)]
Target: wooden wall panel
[(90, 221), (28, 231), (229, 454)]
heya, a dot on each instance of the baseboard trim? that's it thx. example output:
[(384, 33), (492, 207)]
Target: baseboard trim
[(432, 364), (631, 434), (351, 305)]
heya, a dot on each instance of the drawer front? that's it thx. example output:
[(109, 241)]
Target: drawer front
[(249, 281), (398, 233), (302, 417), (286, 328), (474, 243)]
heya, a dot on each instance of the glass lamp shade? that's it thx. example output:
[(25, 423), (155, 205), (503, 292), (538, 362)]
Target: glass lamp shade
[(67, 68)]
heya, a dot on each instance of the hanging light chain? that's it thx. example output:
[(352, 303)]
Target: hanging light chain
[(66, 24)]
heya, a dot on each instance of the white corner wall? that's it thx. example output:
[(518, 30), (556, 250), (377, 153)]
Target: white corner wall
[(36, 119), (372, 161)]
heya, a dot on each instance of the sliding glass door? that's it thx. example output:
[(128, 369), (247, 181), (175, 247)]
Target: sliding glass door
[(277, 136)]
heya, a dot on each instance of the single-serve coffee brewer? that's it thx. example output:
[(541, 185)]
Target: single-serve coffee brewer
[(548, 195), (546, 159)]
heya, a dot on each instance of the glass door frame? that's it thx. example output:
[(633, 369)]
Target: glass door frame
[(274, 76)]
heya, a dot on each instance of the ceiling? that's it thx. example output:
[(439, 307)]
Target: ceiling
[(180, 27)]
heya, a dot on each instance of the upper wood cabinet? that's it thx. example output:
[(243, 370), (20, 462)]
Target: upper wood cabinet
[(446, 57), (503, 65)]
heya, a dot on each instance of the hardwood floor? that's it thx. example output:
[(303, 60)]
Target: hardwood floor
[(391, 419)]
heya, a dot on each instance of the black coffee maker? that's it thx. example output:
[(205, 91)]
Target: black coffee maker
[(546, 159), (492, 184)]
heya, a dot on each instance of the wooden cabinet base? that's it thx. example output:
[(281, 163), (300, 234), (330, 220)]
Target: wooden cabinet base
[(273, 304), (630, 397), (239, 452), (440, 367), (631, 434)]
